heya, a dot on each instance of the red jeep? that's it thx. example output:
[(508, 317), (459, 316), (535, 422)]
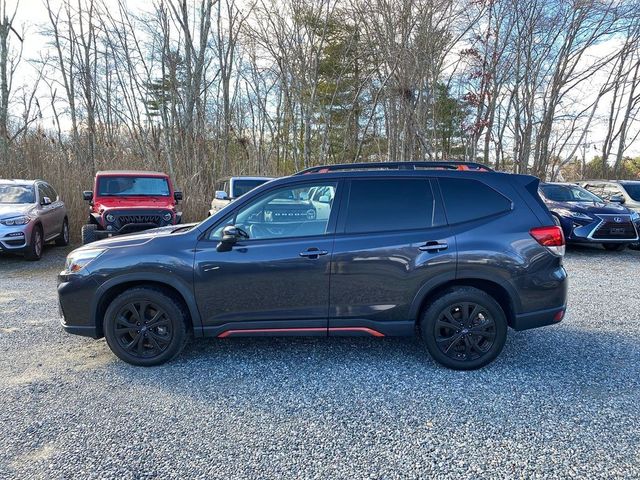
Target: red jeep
[(125, 202)]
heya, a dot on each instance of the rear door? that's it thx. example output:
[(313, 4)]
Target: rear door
[(392, 242)]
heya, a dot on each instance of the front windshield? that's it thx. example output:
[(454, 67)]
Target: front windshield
[(17, 194), (240, 187), (114, 186), (568, 193), (633, 189)]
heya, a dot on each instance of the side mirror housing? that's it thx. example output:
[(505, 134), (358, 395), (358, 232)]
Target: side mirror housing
[(178, 195), (324, 199), (230, 236), (87, 195), (617, 198), (45, 201), (221, 195)]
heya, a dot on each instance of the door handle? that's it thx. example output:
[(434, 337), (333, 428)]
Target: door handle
[(433, 246), (313, 253)]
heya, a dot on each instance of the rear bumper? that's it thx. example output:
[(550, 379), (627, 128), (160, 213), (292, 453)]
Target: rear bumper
[(539, 318)]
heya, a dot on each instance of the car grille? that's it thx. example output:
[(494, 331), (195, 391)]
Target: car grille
[(126, 219), (613, 230)]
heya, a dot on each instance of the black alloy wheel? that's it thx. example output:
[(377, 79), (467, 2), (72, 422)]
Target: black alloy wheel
[(465, 331), (146, 326), (464, 328)]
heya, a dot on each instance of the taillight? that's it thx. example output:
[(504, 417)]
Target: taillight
[(550, 237)]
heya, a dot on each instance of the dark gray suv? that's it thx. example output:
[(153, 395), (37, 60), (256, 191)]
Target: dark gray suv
[(453, 252)]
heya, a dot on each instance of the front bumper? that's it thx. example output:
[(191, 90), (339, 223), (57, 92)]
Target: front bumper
[(604, 228), (15, 238), (75, 302)]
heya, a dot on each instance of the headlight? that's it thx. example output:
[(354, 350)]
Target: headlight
[(568, 213), (110, 217), (22, 220), (635, 216), (167, 217), (77, 260)]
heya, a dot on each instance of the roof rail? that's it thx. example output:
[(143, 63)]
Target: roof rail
[(479, 167)]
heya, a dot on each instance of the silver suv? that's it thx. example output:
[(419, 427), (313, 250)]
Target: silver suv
[(626, 192), (31, 214)]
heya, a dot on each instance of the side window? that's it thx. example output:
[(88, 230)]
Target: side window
[(51, 193), (378, 205), (282, 213), (610, 190), (41, 193), (466, 200)]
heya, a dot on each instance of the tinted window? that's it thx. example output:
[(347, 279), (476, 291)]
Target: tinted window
[(633, 189), (240, 187), (385, 205), (113, 186), (470, 199)]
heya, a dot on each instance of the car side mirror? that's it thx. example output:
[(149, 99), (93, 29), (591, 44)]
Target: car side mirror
[(177, 195), (87, 195), (230, 236), (324, 199), (221, 195), (45, 201), (617, 198)]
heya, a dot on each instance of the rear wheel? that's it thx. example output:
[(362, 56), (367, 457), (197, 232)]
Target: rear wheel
[(464, 328), (34, 249), (145, 327), (614, 247), (63, 238), (89, 233)]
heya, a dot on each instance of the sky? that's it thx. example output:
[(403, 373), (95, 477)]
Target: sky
[(31, 14)]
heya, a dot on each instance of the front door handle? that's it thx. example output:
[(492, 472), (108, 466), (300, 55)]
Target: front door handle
[(433, 246), (313, 253)]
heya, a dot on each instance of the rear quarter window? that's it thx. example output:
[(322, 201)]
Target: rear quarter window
[(467, 200)]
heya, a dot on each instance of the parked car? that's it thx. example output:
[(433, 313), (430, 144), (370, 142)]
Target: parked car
[(587, 218), (230, 189), (31, 214), (626, 192), (455, 255), (129, 201)]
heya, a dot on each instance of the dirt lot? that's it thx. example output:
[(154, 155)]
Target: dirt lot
[(560, 402)]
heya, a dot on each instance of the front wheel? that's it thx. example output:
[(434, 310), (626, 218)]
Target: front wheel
[(614, 247), (145, 327), (89, 233), (34, 249), (464, 328)]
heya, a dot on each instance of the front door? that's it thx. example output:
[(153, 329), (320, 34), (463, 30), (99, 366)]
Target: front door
[(277, 280)]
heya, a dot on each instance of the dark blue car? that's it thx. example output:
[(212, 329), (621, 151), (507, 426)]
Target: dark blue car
[(587, 218)]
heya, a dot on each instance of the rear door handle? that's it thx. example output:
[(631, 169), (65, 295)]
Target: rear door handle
[(433, 246), (313, 253)]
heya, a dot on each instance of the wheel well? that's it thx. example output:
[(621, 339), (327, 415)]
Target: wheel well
[(113, 292), (496, 291)]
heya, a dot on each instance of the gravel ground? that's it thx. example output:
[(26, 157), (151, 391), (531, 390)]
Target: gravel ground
[(560, 402)]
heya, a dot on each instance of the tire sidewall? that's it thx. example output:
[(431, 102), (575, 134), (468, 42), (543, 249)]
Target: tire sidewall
[(432, 313), (174, 312), (32, 252)]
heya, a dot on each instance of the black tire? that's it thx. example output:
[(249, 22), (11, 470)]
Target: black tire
[(36, 246), (134, 333), (614, 247), (89, 233), (63, 238), (465, 342)]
